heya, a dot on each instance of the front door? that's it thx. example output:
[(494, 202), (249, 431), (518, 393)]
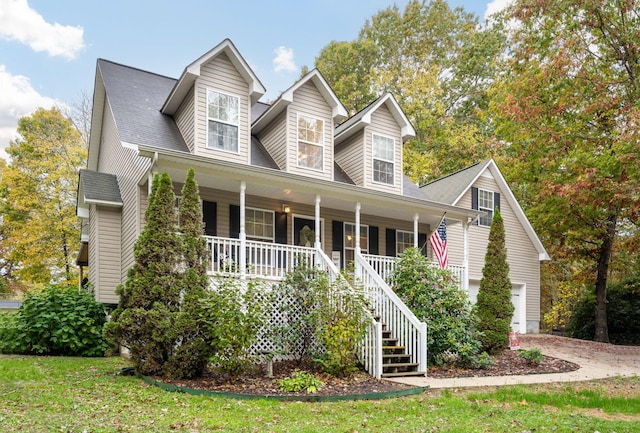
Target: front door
[(304, 233)]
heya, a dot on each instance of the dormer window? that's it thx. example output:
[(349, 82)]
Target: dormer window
[(383, 161), (223, 120), (310, 142)]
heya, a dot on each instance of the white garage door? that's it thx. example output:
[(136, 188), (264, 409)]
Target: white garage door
[(518, 322)]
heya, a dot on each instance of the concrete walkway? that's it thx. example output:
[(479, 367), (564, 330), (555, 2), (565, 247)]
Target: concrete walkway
[(596, 361)]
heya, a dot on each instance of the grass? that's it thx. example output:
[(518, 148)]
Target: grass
[(57, 394)]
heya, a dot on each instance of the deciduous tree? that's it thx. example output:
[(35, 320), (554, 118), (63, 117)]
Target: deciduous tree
[(568, 105), (40, 229)]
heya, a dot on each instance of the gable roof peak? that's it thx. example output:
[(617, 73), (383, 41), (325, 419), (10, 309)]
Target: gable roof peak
[(192, 71)]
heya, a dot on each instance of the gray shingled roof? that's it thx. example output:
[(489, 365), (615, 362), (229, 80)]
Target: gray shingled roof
[(339, 175), (410, 189), (136, 96), (447, 189), (100, 186), (259, 155)]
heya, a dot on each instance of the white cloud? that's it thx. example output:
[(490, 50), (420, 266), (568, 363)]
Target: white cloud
[(21, 23), (496, 6), (18, 99), (284, 60)]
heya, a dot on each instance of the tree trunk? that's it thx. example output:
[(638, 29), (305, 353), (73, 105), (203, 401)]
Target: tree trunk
[(602, 329)]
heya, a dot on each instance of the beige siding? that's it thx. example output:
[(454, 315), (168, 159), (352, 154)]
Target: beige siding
[(129, 168), (383, 123), (350, 156), (105, 252), (220, 75), (524, 264), (308, 101), (185, 119), (274, 139)]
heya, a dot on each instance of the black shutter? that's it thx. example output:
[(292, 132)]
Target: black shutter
[(337, 239), (474, 197), (281, 227), (474, 201), (422, 243), (373, 240), (391, 242), (496, 200), (234, 221), (209, 217)]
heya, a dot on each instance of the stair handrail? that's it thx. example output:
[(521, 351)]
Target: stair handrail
[(419, 328)]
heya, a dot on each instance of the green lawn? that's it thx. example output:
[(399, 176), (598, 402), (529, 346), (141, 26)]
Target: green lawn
[(49, 394)]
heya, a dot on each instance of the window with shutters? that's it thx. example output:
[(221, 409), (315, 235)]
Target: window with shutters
[(404, 240), (485, 204), (259, 224)]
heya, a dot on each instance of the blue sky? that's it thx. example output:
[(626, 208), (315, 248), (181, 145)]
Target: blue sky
[(48, 49)]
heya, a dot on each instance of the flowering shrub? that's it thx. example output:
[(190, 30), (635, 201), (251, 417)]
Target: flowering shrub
[(434, 297)]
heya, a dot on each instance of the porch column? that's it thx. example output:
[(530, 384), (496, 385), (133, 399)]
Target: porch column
[(242, 254), (316, 242), (415, 230), (465, 255), (358, 250)]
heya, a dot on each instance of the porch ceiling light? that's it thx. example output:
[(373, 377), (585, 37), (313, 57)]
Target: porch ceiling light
[(286, 208)]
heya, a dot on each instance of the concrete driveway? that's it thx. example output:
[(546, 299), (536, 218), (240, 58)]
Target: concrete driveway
[(596, 361)]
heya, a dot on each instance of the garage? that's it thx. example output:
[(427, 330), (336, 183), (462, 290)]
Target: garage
[(518, 299)]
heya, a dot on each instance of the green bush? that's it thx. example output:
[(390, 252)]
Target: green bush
[(231, 315), (533, 356), (339, 319), (300, 381), (56, 321), (9, 342), (623, 313), (434, 297)]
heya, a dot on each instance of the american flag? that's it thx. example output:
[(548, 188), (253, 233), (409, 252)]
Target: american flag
[(438, 241)]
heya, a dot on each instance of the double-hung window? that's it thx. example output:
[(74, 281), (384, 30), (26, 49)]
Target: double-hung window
[(223, 120), (310, 142), (485, 204), (383, 160), (259, 224), (350, 241), (404, 240)]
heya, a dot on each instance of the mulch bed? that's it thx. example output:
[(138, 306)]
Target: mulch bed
[(507, 363), (255, 382)]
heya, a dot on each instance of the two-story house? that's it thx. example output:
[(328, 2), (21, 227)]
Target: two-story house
[(278, 181)]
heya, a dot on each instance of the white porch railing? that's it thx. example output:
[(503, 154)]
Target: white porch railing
[(411, 332), (263, 259), (384, 266)]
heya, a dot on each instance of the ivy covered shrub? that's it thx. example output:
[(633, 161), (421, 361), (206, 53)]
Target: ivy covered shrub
[(433, 295), (55, 321), (623, 313)]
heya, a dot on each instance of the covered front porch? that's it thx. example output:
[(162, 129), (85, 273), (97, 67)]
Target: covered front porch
[(262, 223)]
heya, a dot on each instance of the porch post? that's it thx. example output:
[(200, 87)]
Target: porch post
[(316, 242), (358, 249), (465, 255), (415, 230), (242, 254)]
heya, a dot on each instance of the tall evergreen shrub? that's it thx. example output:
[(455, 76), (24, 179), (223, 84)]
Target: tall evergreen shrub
[(144, 320), (194, 347), (494, 307)]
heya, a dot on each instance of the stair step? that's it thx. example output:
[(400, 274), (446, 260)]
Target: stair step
[(393, 347), (405, 373), (387, 340), (400, 364)]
